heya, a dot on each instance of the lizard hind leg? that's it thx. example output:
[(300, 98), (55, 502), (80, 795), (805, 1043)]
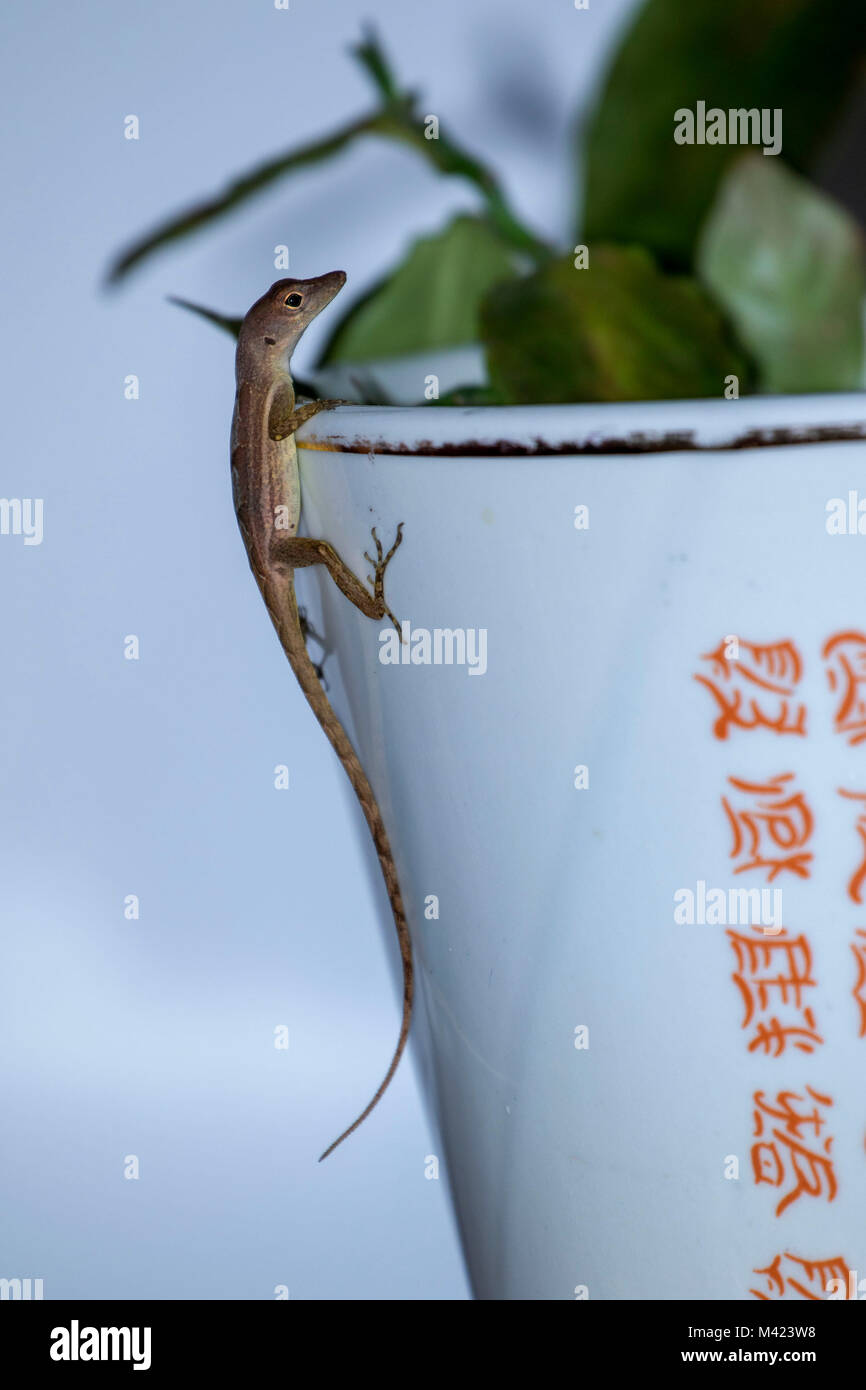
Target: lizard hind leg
[(298, 552)]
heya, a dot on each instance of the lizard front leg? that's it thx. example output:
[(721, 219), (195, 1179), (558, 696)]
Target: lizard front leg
[(297, 552), (287, 415), (305, 410)]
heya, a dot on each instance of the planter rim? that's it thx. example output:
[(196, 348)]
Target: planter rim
[(630, 427)]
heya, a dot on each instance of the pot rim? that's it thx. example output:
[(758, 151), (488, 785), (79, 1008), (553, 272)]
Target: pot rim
[(628, 427)]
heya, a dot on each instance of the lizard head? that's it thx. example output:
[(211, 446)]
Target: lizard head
[(276, 321)]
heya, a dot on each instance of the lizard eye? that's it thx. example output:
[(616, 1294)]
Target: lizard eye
[(294, 301)]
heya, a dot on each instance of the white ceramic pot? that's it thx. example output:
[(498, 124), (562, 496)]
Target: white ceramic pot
[(632, 1105)]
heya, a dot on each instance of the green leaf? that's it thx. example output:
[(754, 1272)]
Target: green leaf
[(787, 263), (430, 301), (799, 56), (619, 330)]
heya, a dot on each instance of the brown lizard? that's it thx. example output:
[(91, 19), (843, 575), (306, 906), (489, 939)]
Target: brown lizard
[(267, 498)]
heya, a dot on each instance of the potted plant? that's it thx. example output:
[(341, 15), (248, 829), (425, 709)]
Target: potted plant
[(633, 852)]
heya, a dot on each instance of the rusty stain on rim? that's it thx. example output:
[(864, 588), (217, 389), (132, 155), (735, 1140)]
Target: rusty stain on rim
[(673, 441)]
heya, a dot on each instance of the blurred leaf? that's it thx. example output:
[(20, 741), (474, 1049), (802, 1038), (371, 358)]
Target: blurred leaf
[(469, 395), (238, 191), (404, 122), (618, 331), (449, 158), (787, 263), (370, 54), (397, 119), (797, 55), (230, 325), (233, 326), (430, 301)]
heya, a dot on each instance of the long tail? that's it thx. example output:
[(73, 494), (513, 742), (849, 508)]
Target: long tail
[(282, 606)]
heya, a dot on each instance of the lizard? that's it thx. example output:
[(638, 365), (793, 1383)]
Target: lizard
[(267, 499)]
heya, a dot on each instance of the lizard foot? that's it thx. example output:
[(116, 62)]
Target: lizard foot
[(380, 564)]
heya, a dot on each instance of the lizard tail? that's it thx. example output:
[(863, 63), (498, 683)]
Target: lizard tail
[(294, 646)]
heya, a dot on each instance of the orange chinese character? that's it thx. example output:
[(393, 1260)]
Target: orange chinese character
[(855, 884), (847, 674), (859, 949), (783, 964), (784, 819), (819, 1273), (757, 680), (807, 1170)]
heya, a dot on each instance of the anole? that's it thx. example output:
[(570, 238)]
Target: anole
[(267, 498)]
